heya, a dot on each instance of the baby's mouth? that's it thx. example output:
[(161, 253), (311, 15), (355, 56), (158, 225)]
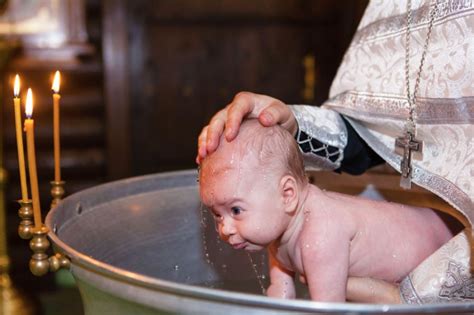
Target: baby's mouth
[(239, 245)]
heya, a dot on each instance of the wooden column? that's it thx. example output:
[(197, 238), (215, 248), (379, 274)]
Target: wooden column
[(116, 88)]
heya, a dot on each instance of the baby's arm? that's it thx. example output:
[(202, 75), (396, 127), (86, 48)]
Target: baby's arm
[(281, 280), (368, 290), (325, 256)]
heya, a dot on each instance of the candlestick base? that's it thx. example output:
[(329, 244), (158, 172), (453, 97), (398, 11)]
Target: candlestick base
[(25, 229), (39, 244), (12, 301), (57, 192), (40, 263)]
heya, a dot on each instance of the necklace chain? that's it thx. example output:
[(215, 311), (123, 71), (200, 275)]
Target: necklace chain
[(410, 124)]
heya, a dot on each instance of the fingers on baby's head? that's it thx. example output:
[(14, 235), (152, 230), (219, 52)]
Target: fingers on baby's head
[(224, 145), (235, 150), (272, 148)]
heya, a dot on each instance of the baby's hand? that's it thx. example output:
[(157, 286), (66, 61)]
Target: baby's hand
[(281, 290), (281, 280)]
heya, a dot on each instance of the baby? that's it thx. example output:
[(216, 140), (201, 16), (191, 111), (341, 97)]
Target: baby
[(256, 188)]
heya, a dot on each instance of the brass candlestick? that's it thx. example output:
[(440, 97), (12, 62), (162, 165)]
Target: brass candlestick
[(25, 229), (11, 301), (57, 192), (40, 263)]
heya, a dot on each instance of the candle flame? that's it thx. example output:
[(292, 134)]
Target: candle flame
[(29, 103), (56, 82), (16, 86)]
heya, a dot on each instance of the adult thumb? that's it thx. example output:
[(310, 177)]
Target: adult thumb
[(278, 113), (274, 114)]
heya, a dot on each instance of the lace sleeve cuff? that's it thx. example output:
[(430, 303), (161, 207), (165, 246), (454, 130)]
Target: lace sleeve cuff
[(321, 136)]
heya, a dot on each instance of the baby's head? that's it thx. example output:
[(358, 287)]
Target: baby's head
[(252, 184)]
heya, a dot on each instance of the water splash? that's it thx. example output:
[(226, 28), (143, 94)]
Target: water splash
[(203, 213), (259, 278)]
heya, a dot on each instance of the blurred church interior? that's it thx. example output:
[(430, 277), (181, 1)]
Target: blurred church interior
[(140, 79)]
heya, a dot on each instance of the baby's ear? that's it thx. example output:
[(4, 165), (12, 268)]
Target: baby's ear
[(289, 193)]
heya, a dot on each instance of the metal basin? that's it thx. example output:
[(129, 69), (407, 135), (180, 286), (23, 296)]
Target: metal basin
[(143, 246)]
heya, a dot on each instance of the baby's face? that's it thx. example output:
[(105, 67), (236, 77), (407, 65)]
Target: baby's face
[(246, 203)]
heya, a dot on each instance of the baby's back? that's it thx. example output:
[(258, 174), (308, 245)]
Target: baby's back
[(390, 239)]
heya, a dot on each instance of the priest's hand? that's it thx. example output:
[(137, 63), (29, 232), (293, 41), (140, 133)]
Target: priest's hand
[(268, 110)]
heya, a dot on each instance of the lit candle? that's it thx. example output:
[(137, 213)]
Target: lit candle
[(30, 143), (56, 97), (19, 139)]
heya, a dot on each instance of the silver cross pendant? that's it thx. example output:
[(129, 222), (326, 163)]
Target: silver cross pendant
[(407, 143)]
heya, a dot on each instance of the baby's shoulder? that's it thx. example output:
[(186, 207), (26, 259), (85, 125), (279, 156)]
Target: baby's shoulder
[(326, 224), (329, 212)]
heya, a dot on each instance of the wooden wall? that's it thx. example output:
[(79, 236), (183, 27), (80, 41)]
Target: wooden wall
[(178, 62)]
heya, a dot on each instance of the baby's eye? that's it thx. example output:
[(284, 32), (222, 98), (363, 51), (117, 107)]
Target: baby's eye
[(235, 210), (217, 217)]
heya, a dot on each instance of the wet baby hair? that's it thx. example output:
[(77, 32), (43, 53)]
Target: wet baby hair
[(277, 150)]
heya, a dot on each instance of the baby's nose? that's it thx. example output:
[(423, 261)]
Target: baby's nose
[(227, 228)]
